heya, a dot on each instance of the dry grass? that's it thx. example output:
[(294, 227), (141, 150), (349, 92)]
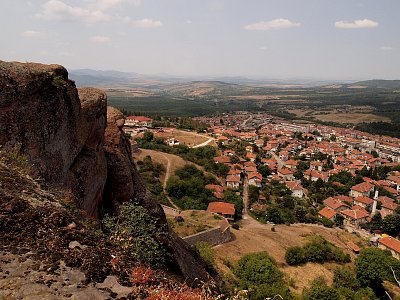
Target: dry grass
[(194, 221), (184, 137), (175, 162), (302, 276), (255, 237), (352, 118)]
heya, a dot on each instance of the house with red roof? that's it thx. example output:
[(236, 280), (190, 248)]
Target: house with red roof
[(388, 208), (222, 159), (391, 244), (354, 218), (250, 169), (286, 174), (362, 189), (227, 210), (141, 121), (363, 201), (353, 247), (327, 213), (233, 181), (255, 179), (335, 204), (291, 164), (223, 139), (251, 156), (296, 189)]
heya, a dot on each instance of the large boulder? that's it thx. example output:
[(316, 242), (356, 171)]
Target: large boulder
[(60, 130)]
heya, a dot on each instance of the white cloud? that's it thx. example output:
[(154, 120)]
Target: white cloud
[(386, 48), (147, 23), (31, 34), (93, 11), (356, 24), (107, 4), (274, 24), (99, 39), (264, 48)]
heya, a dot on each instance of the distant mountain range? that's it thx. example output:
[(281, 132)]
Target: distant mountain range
[(117, 79), (377, 83)]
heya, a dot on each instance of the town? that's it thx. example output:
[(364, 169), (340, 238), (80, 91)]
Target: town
[(297, 173)]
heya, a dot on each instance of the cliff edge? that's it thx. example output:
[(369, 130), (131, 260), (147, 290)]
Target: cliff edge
[(74, 143)]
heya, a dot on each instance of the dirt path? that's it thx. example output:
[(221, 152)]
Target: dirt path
[(171, 163), (245, 198), (204, 144)]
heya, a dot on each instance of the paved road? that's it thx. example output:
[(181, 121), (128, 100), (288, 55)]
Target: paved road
[(245, 197), (245, 121), (278, 160)]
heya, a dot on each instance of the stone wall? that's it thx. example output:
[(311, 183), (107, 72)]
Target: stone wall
[(214, 236), (170, 211)]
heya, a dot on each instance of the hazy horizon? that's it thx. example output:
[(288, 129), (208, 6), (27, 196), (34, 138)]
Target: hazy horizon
[(259, 39)]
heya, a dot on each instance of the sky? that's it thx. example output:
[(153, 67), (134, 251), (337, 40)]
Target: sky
[(316, 39)]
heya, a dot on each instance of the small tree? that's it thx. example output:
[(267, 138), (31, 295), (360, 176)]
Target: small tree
[(295, 256), (345, 277)]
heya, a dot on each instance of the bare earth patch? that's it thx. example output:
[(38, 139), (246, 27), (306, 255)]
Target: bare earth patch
[(256, 237), (352, 118), (194, 221), (185, 137), (169, 161)]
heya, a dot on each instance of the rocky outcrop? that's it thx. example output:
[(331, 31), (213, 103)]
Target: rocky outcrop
[(124, 183), (72, 140), (119, 185), (60, 130)]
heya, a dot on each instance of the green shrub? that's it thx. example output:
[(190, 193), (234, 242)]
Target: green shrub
[(137, 232), (206, 254), (345, 277), (258, 273), (317, 250), (258, 268), (295, 256)]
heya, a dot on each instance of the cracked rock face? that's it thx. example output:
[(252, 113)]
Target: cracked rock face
[(74, 142), (58, 128)]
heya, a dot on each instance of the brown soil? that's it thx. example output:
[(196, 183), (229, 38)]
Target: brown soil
[(194, 221), (185, 137), (255, 237)]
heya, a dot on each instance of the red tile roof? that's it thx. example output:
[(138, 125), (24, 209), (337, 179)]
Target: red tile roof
[(334, 203), (139, 118), (355, 214), (365, 200), (390, 205), (390, 243), (353, 247), (285, 171), (363, 187), (221, 208), (326, 212), (215, 188), (233, 178), (292, 185), (222, 159)]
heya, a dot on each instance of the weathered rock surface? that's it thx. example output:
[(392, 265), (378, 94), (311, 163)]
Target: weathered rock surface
[(124, 183), (43, 117), (72, 141)]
